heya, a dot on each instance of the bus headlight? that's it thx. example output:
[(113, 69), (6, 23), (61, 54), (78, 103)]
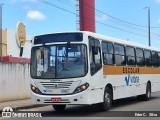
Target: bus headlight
[(35, 90), (81, 88)]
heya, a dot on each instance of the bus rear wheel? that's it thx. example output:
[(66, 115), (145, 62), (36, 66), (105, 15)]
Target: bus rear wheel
[(107, 100), (59, 108), (147, 95)]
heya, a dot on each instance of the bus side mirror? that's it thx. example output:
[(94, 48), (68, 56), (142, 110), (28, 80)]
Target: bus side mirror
[(96, 50), (93, 67)]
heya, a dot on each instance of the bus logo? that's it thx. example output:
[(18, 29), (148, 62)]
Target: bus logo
[(131, 79)]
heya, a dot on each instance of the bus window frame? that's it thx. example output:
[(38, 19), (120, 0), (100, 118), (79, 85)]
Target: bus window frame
[(155, 59), (120, 54), (145, 50), (131, 56), (113, 57), (142, 65), (93, 65)]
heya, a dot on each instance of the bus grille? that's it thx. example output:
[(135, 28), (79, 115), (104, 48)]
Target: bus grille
[(56, 85)]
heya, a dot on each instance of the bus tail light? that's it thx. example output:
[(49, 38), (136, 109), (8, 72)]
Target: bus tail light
[(81, 88)]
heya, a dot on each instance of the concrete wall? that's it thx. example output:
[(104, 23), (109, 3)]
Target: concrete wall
[(14, 81)]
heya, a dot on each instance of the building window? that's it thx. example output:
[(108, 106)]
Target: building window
[(108, 56)]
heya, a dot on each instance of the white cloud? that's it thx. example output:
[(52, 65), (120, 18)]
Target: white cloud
[(35, 15)]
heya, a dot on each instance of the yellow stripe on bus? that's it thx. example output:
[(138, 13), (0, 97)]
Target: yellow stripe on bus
[(114, 70)]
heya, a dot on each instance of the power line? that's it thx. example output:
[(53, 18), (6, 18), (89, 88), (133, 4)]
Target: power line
[(120, 22), (118, 18), (65, 2), (53, 5)]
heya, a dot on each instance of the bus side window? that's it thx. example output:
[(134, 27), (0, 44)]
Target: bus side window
[(108, 55), (120, 57), (148, 57), (159, 58), (95, 56), (130, 53), (155, 60), (140, 57)]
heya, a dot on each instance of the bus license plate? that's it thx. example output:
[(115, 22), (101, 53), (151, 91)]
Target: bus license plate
[(56, 99)]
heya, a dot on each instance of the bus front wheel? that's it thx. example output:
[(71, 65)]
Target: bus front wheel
[(107, 100), (59, 108)]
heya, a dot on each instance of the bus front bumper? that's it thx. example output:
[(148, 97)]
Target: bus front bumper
[(84, 97)]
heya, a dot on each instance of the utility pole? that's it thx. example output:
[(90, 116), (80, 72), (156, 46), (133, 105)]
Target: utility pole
[(149, 28), (87, 15)]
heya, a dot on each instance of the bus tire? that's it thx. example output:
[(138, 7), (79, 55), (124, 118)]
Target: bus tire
[(59, 108), (107, 100), (147, 95)]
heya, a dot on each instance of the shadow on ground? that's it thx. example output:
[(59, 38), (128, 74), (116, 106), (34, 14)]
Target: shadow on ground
[(92, 110)]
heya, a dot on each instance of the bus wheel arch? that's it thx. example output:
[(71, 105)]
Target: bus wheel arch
[(147, 95), (107, 98)]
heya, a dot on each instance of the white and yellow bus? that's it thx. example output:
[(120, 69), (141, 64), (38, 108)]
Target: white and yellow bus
[(75, 68)]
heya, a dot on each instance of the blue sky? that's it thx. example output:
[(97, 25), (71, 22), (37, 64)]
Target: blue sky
[(41, 18)]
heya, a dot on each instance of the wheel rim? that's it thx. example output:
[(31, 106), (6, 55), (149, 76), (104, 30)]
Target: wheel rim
[(107, 99)]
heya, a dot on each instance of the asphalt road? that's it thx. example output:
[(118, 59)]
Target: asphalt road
[(119, 108)]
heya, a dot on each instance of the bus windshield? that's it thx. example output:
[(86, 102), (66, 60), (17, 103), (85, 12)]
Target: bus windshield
[(59, 61)]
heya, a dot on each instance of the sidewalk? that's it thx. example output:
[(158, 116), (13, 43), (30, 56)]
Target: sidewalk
[(18, 104)]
